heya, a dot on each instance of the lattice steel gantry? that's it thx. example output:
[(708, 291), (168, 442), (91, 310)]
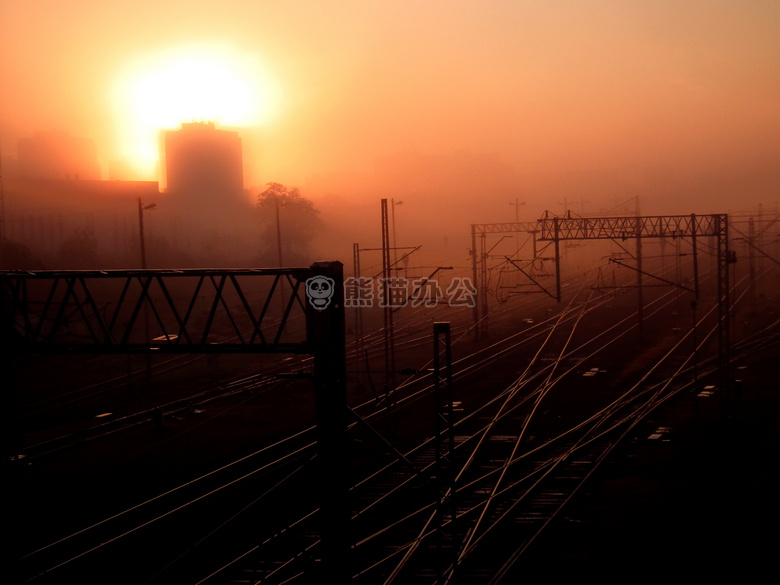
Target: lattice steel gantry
[(662, 226), (555, 229), (196, 311)]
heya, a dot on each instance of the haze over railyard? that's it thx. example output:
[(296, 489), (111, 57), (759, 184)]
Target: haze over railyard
[(467, 103), (576, 199)]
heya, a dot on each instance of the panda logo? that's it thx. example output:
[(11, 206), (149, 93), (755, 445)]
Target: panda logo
[(319, 290)]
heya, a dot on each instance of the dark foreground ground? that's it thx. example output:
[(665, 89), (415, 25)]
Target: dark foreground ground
[(699, 502)]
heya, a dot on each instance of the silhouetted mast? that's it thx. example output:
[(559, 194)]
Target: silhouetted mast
[(2, 214)]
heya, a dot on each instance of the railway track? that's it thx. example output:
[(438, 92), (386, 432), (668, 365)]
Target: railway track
[(401, 533)]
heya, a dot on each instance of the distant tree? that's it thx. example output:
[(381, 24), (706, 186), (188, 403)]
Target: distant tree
[(285, 214)]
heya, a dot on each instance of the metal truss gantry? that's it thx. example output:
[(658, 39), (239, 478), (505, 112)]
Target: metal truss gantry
[(555, 229), (195, 311)]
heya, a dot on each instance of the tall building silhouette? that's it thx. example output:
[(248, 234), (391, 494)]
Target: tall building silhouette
[(203, 164), (204, 196)]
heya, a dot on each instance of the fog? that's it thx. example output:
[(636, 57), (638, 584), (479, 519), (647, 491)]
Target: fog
[(456, 108)]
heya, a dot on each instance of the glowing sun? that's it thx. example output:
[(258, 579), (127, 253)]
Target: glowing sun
[(194, 83)]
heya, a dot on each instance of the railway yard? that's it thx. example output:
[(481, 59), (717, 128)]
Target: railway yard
[(575, 442)]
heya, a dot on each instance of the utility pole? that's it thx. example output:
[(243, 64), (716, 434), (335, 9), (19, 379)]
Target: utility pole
[(2, 215), (358, 308), (141, 209), (278, 232), (141, 232), (557, 242), (752, 265), (695, 352), (760, 239), (517, 203), (640, 297), (444, 462), (393, 203), (388, 308), (326, 336), (479, 293), (279, 257), (695, 256)]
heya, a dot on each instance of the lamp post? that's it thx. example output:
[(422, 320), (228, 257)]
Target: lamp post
[(2, 216), (141, 209), (282, 300), (517, 203), (278, 232), (393, 203)]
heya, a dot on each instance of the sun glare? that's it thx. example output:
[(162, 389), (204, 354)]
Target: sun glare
[(162, 90)]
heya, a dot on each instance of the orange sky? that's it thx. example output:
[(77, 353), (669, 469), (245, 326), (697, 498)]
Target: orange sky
[(546, 85)]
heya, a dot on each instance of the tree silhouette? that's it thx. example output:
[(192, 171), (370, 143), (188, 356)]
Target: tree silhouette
[(287, 216)]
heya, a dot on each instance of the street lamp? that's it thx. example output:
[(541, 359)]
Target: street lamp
[(517, 203), (141, 209), (278, 231), (393, 203)]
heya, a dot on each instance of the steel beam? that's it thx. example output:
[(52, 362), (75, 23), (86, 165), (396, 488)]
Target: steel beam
[(326, 340), (389, 333), (192, 311), (615, 228), (197, 311), (445, 430)]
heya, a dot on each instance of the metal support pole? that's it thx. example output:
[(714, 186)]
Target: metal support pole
[(325, 333), (695, 256), (662, 243), (141, 233), (478, 293), (10, 441), (358, 309), (3, 236), (759, 242), (724, 302), (147, 329), (395, 244), (695, 352), (556, 239), (11, 466), (752, 265), (640, 309), (278, 233), (483, 282), (282, 299), (445, 506), (389, 336), (777, 238)]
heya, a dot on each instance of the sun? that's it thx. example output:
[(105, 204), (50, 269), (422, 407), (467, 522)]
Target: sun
[(211, 83)]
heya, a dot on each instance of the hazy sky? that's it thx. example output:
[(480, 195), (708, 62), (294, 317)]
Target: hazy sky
[(329, 86)]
